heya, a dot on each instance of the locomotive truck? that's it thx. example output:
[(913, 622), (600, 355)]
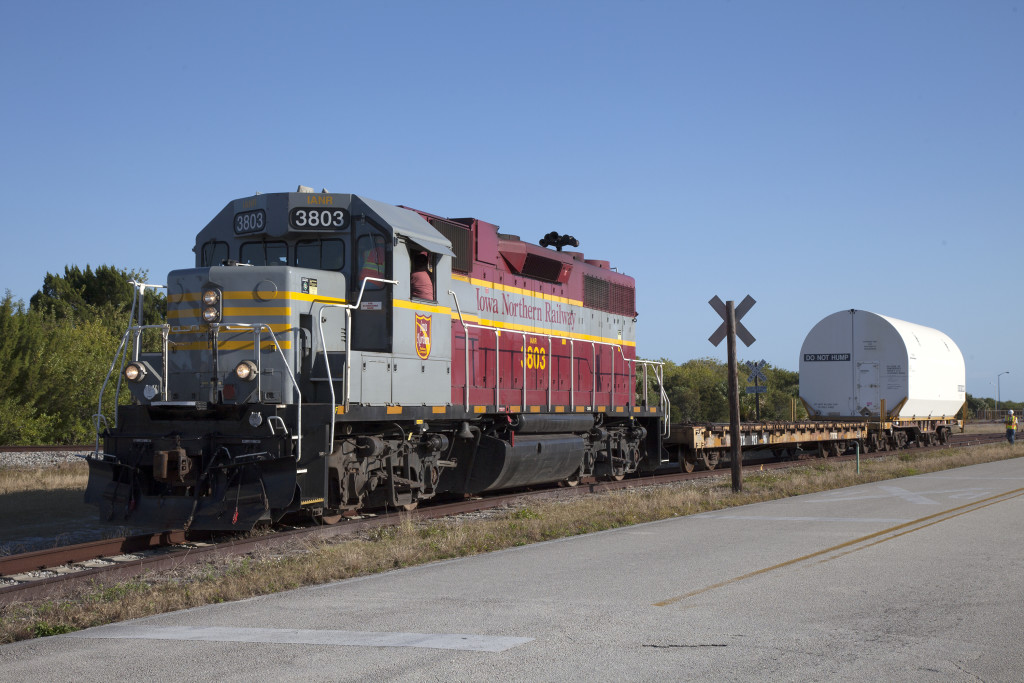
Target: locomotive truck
[(329, 353)]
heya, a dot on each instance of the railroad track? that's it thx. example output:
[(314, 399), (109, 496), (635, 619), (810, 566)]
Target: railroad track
[(976, 439), (45, 573)]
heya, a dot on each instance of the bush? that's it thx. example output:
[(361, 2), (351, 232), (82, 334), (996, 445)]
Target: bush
[(55, 354)]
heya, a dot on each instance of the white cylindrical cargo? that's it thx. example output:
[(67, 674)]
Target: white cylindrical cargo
[(852, 359)]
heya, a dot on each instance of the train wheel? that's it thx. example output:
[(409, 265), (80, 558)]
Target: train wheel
[(409, 507), (572, 481), (829, 449), (710, 460), (328, 520), (688, 464)]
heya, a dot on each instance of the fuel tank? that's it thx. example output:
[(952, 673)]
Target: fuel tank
[(500, 464)]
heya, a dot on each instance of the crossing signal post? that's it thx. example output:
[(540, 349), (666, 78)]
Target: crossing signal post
[(731, 328)]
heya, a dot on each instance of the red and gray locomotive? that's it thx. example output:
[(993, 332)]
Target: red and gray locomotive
[(329, 353)]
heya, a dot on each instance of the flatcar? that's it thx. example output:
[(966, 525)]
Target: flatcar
[(869, 383), (328, 353)]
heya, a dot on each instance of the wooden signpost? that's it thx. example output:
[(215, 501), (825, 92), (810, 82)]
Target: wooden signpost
[(732, 328)]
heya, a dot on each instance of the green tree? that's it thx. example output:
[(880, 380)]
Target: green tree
[(106, 293), (780, 403), (22, 335), (976, 405), (55, 354), (697, 390)]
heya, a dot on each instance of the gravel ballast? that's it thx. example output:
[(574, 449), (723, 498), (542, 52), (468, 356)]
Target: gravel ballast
[(40, 458)]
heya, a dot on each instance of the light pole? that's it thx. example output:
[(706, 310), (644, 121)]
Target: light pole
[(997, 386)]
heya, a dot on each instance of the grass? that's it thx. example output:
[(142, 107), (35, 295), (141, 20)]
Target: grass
[(988, 427), (58, 477), (410, 543), (34, 501)]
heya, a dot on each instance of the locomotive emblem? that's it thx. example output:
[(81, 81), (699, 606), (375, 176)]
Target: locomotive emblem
[(423, 336)]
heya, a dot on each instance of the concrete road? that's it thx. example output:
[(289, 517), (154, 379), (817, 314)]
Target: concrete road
[(911, 579)]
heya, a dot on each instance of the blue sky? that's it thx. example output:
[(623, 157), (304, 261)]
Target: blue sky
[(818, 156)]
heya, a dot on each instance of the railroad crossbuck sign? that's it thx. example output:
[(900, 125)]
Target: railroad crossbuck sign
[(755, 371), (741, 331), (754, 376)]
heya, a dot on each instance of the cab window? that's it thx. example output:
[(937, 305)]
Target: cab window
[(320, 254), (264, 253), (213, 253), (371, 251), (421, 276)]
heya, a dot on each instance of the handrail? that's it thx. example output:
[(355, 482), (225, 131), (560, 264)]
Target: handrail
[(497, 355), (348, 349), (258, 329), (663, 401), (138, 298)]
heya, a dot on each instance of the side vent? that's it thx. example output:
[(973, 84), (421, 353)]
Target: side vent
[(461, 238)]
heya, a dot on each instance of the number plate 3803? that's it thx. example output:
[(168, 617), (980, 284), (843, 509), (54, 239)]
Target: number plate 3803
[(318, 219)]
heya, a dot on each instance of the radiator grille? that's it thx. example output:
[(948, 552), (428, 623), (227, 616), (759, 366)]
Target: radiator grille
[(608, 296)]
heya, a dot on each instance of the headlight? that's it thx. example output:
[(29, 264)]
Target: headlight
[(134, 372), (211, 305), (246, 370)]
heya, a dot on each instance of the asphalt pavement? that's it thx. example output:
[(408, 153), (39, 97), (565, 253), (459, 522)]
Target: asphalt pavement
[(916, 579)]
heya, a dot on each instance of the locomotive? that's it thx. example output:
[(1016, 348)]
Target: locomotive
[(329, 353)]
